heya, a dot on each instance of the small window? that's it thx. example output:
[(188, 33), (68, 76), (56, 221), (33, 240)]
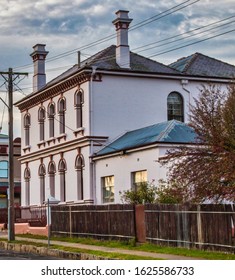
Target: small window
[(108, 189), (175, 107), (3, 169), (138, 178)]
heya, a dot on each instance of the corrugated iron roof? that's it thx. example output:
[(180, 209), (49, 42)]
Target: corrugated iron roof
[(166, 132), (201, 65)]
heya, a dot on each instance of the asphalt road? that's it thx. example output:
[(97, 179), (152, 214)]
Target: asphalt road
[(10, 255)]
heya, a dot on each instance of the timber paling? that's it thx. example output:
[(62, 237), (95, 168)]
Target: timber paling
[(209, 227)]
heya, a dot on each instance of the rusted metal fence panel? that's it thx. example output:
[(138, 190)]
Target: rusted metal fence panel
[(192, 226), (98, 221)]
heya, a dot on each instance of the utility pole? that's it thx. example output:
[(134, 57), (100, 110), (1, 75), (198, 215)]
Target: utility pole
[(10, 77)]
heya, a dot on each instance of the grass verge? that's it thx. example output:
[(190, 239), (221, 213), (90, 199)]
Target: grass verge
[(146, 247)]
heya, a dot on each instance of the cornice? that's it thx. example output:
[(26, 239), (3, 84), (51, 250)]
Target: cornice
[(54, 90)]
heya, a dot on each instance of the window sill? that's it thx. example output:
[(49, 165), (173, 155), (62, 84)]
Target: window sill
[(61, 136), (79, 131), (26, 149), (51, 140), (41, 144)]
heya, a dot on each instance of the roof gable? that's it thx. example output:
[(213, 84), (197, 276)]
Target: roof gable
[(165, 132), (201, 65)]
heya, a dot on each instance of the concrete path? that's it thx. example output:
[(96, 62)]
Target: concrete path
[(105, 249)]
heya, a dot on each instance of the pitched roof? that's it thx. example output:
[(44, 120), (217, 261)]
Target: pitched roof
[(201, 65), (106, 60), (166, 132)]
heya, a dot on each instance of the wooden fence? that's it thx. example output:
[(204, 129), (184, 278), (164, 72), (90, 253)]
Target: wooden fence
[(98, 221), (192, 226)]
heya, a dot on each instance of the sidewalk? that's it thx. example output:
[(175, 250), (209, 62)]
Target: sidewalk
[(105, 249)]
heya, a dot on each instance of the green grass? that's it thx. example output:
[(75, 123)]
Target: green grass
[(146, 247), (109, 255)]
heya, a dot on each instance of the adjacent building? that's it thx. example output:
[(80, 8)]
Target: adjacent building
[(74, 128), (4, 180)]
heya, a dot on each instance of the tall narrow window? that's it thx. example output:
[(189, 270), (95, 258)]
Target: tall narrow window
[(79, 166), (27, 122), (51, 173), (42, 173), (27, 177), (51, 118), (175, 107), (62, 169), (41, 120), (78, 103), (61, 112), (3, 169), (108, 189)]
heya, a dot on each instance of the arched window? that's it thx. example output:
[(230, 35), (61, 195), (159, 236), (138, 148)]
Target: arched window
[(175, 107), (27, 122), (61, 112), (51, 173), (79, 166), (51, 118), (78, 103), (42, 173), (41, 120), (27, 176), (4, 169), (62, 169)]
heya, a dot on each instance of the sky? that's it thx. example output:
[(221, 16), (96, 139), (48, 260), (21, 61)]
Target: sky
[(163, 30)]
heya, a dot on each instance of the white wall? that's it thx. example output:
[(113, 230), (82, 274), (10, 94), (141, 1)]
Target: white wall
[(121, 168)]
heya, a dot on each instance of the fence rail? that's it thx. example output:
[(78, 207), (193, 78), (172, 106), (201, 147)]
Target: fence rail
[(35, 216)]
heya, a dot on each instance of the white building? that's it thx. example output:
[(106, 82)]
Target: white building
[(68, 120)]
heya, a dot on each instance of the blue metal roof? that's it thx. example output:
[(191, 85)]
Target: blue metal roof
[(167, 132)]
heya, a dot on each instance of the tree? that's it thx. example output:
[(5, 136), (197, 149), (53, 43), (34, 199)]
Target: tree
[(206, 170)]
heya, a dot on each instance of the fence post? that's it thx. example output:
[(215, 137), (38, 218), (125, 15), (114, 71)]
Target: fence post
[(140, 226), (199, 226)]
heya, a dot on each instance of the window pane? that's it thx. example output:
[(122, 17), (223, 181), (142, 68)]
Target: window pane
[(3, 169), (175, 107), (108, 189)]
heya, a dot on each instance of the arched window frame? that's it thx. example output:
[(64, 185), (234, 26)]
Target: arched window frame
[(51, 173), (61, 113), (51, 118), (27, 177), (42, 174), (79, 167), (78, 105), (62, 168), (41, 120), (27, 124), (175, 110)]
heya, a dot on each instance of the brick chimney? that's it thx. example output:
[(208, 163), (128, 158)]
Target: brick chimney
[(122, 23), (39, 55)]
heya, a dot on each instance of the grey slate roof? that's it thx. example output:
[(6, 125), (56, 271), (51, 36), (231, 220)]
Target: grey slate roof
[(166, 132), (106, 60), (201, 65)]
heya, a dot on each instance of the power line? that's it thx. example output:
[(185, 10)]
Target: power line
[(109, 37)]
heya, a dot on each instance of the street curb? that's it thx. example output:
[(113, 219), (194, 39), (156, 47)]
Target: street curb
[(44, 251)]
